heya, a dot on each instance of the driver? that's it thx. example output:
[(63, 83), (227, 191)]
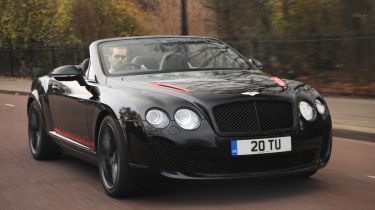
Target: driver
[(117, 58)]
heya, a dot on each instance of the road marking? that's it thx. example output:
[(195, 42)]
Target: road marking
[(9, 105), (373, 177)]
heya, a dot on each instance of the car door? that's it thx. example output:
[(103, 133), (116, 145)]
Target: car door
[(67, 102)]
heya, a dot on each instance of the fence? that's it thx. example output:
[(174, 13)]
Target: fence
[(292, 57), (23, 61), (310, 56)]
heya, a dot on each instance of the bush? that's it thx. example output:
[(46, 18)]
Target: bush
[(38, 72)]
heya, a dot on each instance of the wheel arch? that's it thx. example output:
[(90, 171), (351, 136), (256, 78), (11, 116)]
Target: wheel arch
[(33, 96), (29, 101), (104, 113), (99, 120)]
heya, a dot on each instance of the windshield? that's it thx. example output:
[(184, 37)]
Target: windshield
[(151, 55)]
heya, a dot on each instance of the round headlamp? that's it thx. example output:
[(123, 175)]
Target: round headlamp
[(187, 119), (320, 106), (157, 118), (307, 111)]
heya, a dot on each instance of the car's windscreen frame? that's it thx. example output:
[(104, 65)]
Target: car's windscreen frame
[(166, 41)]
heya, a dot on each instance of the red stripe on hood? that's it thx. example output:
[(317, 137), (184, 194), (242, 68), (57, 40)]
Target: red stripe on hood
[(279, 81), (170, 86)]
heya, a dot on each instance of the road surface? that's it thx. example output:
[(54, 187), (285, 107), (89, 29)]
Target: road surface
[(348, 182)]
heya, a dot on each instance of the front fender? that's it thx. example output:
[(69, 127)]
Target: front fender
[(39, 87)]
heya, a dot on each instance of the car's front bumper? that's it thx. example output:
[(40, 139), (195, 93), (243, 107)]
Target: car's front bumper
[(202, 154)]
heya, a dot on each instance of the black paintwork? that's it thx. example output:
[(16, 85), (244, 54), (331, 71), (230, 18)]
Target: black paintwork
[(78, 107)]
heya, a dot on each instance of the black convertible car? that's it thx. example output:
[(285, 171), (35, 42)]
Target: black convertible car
[(180, 107)]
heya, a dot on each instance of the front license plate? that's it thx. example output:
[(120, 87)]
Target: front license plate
[(261, 146)]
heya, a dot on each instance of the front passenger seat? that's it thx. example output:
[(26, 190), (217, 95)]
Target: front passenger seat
[(172, 61), (148, 62)]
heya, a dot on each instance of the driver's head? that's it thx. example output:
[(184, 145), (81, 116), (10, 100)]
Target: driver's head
[(116, 58)]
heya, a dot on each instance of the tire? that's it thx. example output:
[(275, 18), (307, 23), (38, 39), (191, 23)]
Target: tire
[(115, 174), (41, 146)]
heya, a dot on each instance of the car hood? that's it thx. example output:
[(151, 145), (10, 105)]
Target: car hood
[(204, 89), (205, 83)]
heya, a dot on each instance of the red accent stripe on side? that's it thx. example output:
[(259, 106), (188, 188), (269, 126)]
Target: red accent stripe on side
[(74, 137), (279, 81), (170, 86)]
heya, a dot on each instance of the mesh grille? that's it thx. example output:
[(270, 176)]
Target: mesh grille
[(248, 164), (171, 162), (274, 115), (167, 156), (253, 116)]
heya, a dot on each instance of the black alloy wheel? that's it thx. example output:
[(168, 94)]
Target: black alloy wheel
[(109, 158), (41, 146), (115, 173), (34, 130)]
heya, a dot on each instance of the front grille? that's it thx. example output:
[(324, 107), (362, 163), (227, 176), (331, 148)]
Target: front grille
[(248, 164), (253, 116)]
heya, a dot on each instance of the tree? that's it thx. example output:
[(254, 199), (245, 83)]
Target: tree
[(27, 23), (300, 34)]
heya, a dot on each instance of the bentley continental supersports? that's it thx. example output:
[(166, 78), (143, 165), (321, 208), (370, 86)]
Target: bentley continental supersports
[(177, 107)]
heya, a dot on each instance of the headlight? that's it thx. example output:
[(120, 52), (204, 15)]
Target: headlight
[(307, 111), (157, 118), (320, 106), (187, 119)]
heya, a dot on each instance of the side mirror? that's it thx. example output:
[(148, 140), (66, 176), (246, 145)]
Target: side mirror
[(73, 73), (68, 73), (256, 63)]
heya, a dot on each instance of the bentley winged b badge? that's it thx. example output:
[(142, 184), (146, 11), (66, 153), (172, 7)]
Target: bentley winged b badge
[(250, 93)]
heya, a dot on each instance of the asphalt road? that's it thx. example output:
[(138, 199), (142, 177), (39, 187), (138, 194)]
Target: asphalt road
[(348, 182)]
